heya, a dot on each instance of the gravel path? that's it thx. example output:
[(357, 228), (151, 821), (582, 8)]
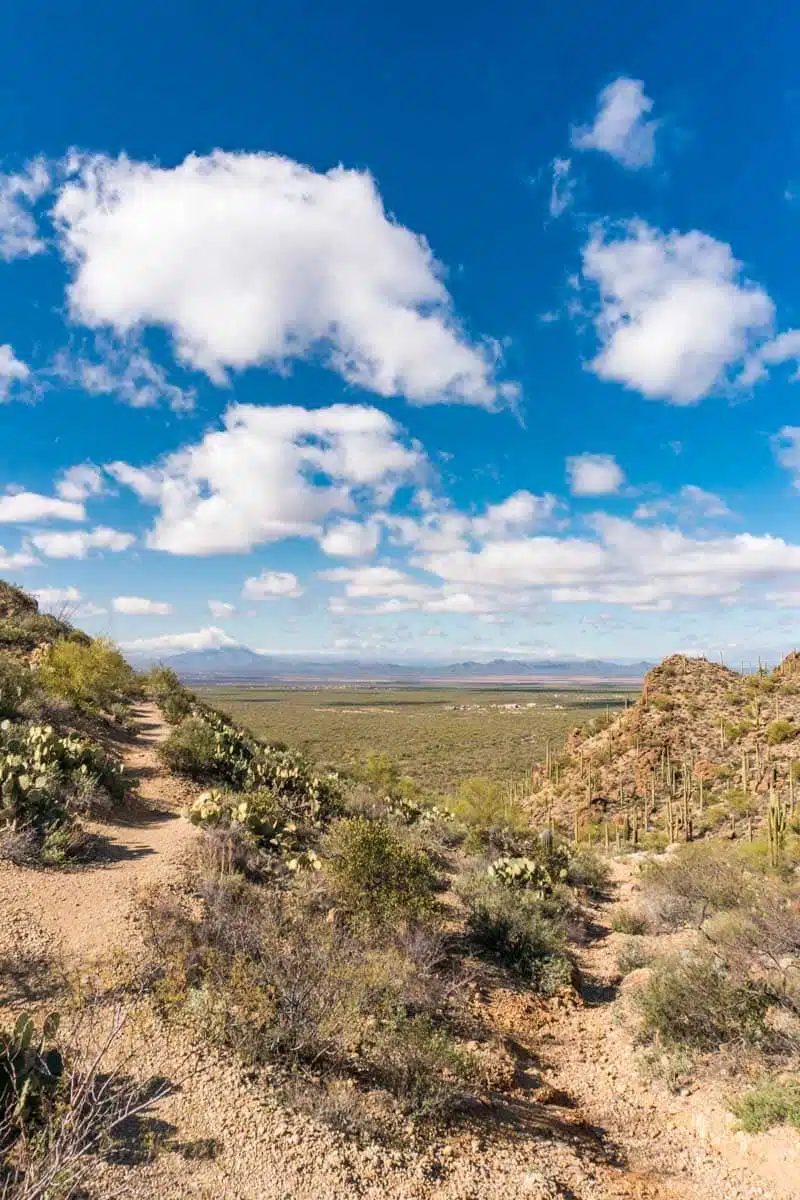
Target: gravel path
[(79, 915), (688, 1137)]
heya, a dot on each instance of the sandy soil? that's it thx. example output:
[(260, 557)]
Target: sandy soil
[(82, 914)]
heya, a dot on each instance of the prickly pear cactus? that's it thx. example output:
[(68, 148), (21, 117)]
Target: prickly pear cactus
[(28, 1067)]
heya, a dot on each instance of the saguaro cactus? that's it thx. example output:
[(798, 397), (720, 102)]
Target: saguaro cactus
[(776, 829)]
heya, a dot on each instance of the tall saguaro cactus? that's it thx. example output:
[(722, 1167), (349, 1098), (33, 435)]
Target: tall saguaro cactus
[(776, 829)]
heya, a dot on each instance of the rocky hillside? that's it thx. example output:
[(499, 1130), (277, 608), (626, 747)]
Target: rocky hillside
[(23, 628), (704, 749), (64, 709)]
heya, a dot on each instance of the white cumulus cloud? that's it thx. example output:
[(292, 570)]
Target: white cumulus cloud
[(210, 638), (783, 348), (620, 127), (56, 598), (351, 539), (16, 560), (140, 606), (519, 513), (786, 444), (253, 259), (126, 372), (562, 187), (80, 482), (376, 582), (594, 475), (31, 506), (441, 528), (642, 567), (271, 473), (691, 503), (272, 584), (674, 315), (78, 543)]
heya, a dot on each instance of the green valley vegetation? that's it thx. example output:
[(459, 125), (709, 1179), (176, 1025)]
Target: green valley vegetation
[(435, 736)]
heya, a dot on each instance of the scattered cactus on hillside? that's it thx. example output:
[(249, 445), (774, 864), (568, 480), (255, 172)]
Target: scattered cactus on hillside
[(698, 730)]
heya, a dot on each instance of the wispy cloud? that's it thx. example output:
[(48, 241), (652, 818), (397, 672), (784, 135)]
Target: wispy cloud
[(620, 127)]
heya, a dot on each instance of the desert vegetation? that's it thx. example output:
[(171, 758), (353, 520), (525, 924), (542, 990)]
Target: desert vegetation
[(63, 697), (337, 923), (374, 946)]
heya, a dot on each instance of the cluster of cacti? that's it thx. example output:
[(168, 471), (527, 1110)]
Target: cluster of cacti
[(257, 812), (36, 763), (245, 764), (28, 1068), (412, 812), (525, 873), (271, 793), (539, 871)]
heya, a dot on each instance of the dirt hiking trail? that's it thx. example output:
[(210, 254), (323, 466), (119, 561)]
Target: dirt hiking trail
[(83, 912), (685, 1133)]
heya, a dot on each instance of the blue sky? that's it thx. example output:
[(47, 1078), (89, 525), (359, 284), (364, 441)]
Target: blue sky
[(432, 332)]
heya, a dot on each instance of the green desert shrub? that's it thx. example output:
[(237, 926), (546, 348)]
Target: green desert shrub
[(421, 1065), (693, 1000), (17, 684), (587, 871), (780, 731), (376, 876), (484, 804), (494, 819), (26, 630), (175, 706), (190, 749), (14, 636), (632, 956), (89, 675), (772, 1102), (693, 884), (174, 700), (381, 773), (161, 681), (625, 919), (518, 928)]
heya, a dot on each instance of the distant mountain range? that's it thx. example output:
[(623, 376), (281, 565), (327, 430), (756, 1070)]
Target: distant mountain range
[(239, 664)]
